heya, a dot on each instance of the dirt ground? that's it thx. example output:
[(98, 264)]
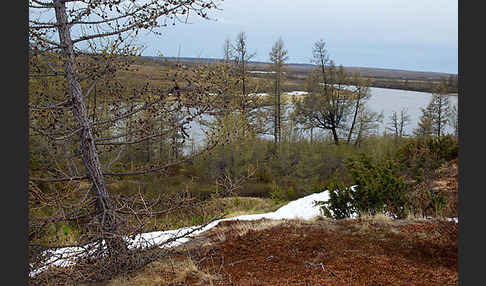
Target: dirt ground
[(369, 251)]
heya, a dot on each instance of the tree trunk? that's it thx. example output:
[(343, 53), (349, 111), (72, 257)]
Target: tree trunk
[(354, 119), (243, 72), (275, 121), (439, 115), (88, 148), (279, 128), (335, 136)]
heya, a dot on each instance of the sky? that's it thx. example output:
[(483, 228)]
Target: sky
[(419, 35)]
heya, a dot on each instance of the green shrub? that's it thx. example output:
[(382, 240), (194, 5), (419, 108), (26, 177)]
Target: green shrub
[(419, 158), (378, 188), (340, 204), (438, 202)]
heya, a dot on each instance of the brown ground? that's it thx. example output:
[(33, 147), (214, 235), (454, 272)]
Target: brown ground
[(371, 251), (367, 251)]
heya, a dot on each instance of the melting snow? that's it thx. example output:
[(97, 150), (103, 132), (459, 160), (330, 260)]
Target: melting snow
[(297, 92), (303, 208)]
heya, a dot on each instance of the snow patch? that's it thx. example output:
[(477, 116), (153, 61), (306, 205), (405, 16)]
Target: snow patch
[(264, 72), (297, 92), (303, 208), (259, 94)]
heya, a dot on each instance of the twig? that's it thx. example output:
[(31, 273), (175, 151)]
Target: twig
[(239, 261)]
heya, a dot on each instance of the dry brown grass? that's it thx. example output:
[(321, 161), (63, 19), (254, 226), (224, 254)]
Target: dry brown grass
[(168, 271), (379, 218), (242, 228)]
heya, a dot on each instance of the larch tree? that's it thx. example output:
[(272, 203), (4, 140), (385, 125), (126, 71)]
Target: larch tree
[(360, 96), (227, 50), (425, 125), (320, 57), (367, 124), (278, 57), (328, 104), (75, 48), (397, 123), (246, 98), (241, 57), (439, 109)]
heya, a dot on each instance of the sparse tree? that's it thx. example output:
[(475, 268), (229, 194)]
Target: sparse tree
[(367, 124), (424, 128), (241, 56), (227, 50), (278, 57), (360, 96), (328, 104), (440, 109), (436, 116), (320, 57), (83, 45), (398, 122)]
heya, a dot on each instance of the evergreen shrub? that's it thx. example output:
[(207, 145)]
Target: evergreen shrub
[(377, 188)]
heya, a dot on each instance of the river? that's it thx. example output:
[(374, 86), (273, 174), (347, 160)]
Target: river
[(381, 100)]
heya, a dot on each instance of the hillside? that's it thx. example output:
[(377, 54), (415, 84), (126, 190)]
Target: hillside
[(371, 250), (297, 72), (366, 251), (294, 245)]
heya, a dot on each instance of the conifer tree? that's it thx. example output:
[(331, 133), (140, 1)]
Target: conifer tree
[(278, 56), (424, 128), (440, 109)]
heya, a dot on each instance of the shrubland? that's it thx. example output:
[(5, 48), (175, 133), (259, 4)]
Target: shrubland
[(302, 165)]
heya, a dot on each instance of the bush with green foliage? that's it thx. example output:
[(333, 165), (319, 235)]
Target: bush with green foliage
[(420, 157), (378, 188), (340, 204)]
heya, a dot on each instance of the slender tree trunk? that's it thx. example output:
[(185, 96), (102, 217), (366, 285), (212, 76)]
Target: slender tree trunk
[(278, 111), (275, 121), (358, 137), (402, 123), (439, 123), (88, 148), (335, 136), (162, 141), (354, 119), (243, 73), (94, 104), (129, 131)]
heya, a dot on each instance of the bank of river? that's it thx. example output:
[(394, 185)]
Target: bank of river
[(383, 100)]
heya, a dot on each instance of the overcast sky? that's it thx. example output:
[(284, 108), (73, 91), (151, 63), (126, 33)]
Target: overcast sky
[(416, 35)]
